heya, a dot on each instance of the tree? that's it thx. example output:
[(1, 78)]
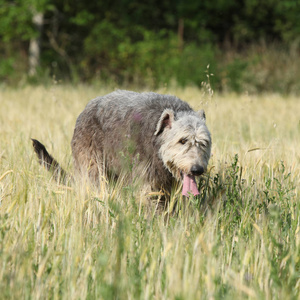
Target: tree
[(21, 23), (35, 43)]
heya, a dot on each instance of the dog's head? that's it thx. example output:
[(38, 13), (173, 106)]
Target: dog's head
[(185, 145)]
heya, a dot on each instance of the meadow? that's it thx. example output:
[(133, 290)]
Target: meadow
[(239, 240)]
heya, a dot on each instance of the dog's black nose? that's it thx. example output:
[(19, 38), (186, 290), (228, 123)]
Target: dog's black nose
[(197, 170)]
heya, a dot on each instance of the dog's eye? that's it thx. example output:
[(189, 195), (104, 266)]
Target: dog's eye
[(183, 141), (201, 144)]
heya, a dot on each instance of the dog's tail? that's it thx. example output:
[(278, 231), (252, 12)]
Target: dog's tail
[(46, 160)]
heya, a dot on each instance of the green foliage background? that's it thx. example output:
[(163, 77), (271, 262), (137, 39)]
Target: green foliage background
[(249, 45)]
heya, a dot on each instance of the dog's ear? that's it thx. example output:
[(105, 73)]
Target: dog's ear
[(201, 113), (165, 121)]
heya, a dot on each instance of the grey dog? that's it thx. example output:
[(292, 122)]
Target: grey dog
[(157, 138)]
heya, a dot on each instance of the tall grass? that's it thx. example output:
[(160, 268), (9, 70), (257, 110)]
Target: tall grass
[(240, 239)]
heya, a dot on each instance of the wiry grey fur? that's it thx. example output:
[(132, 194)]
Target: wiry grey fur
[(158, 138), (155, 136)]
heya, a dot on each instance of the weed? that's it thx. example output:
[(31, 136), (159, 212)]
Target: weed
[(239, 239)]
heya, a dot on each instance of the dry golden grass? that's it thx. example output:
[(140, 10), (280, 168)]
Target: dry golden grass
[(77, 243)]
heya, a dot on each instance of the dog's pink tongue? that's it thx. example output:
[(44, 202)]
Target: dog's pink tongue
[(189, 185)]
